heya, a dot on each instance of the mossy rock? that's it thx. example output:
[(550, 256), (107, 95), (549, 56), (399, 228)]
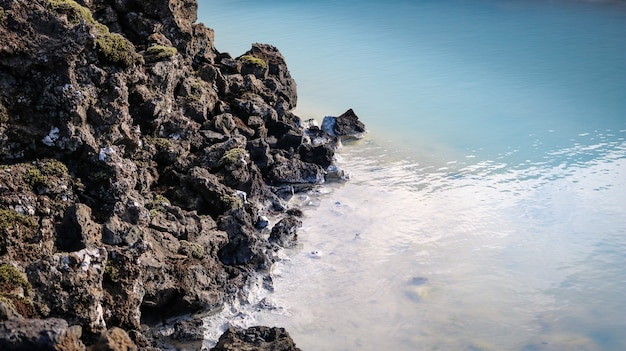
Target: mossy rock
[(161, 144), (232, 201), (19, 307), (192, 250), (158, 205), (54, 168), (251, 60), (231, 157), (112, 47), (9, 219), (116, 49), (34, 177), (11, 278), (112, 273), (76, 13), (39, 175), (159, 53)]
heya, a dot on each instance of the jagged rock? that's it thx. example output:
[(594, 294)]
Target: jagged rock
[(295, 171), (256, 339), (284, 232), (40, 334), (77, 230), (244, 245), (319, 147), (118, 232), (259, 150), (115, 339), (279, 80), (135, 163), (76, 279), (346, 125)]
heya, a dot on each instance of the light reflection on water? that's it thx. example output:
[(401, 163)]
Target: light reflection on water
[(509, 199), (526, 257)]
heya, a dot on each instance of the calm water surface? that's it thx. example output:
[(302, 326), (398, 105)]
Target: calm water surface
[(487, 207)]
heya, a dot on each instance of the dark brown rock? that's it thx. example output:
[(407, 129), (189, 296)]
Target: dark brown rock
[(135, 169), (295, 171), (284, 233), (346, 125), (39, 334), (257, 339), (115, 339)]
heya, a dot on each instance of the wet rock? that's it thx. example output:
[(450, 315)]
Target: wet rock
[(256, 338), (40, 334), (346, 125), (244, 245), (294, 171), (284, 233)]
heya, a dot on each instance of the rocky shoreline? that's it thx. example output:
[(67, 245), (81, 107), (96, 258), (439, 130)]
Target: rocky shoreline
[(144, 175)]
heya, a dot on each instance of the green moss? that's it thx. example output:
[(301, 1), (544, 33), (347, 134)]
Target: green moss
[(11, 278), (158, 205), (3, 16), (231, 157), (116, 49), (10, 219), (112, 46), (249, 59), (161, 144), (232, 201), (99, 177), (54, 168), (112, 273), (191, 249), (74, 12), (34, 177), (196, 90), (159, 53)]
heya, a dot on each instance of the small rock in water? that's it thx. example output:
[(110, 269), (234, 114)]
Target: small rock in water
[(315, 254)]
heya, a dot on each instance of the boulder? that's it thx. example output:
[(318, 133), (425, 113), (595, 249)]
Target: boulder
[(347, 125), (255, 339), (286, 170), (40, 334), (284, 233), (115, 339)]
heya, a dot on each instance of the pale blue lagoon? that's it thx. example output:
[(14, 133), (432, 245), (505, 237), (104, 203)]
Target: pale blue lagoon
[(487, 206)]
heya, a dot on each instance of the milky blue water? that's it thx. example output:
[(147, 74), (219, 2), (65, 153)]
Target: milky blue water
[(487, 206)]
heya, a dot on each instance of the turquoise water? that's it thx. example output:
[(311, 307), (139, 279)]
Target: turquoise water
[(495, 169)]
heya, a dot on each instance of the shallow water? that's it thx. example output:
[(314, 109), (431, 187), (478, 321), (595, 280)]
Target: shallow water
[(487, 207)]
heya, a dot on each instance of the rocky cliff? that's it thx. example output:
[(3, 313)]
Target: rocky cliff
[(138, 169)]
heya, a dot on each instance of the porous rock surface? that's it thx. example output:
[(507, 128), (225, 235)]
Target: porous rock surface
[(136, 163)]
